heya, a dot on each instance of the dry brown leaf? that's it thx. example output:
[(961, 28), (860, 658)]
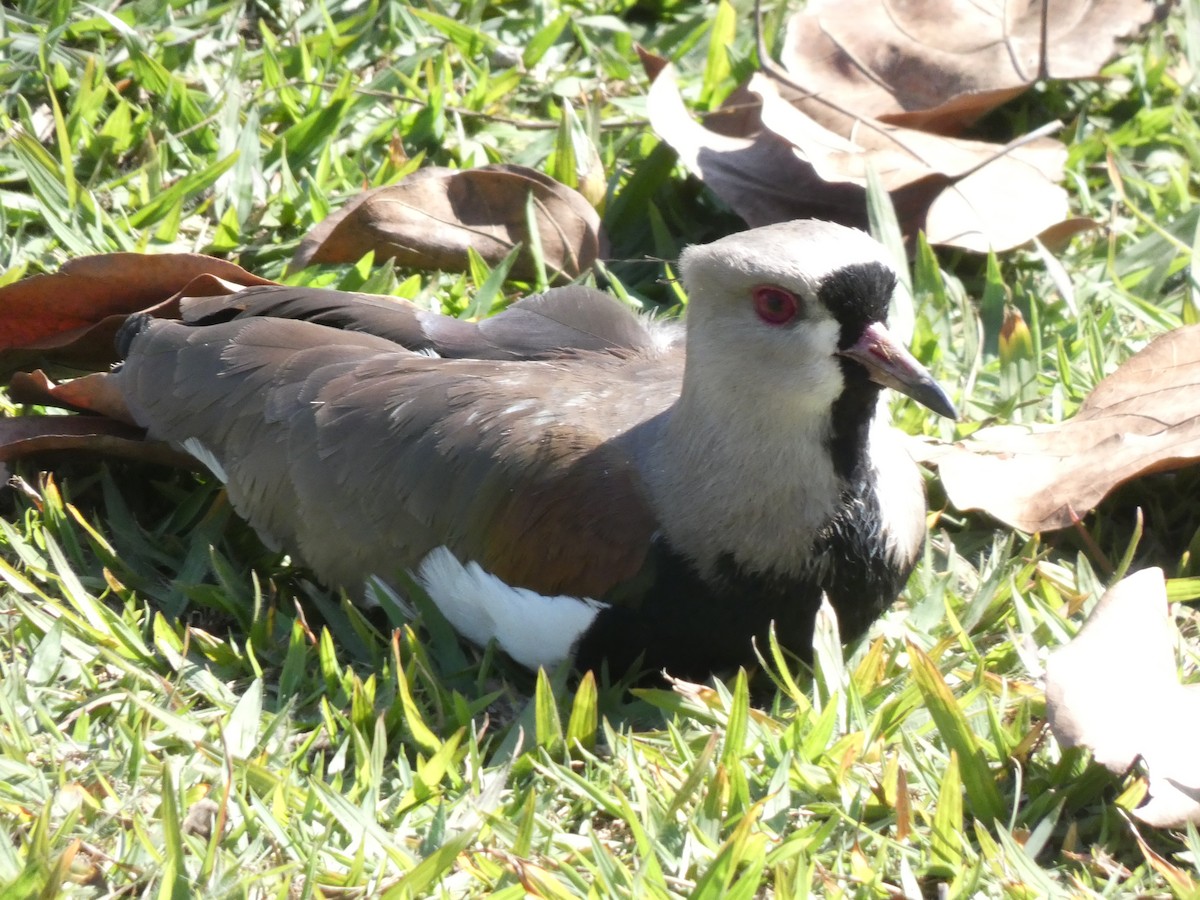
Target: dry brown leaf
[(29, 435), (95, 393), (1115, 689), (74, 313), (759, 175), (787, 166), (1006, 199), (939, 65), (1143, 418), (430, 218)]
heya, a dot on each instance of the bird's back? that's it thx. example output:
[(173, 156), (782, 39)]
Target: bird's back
[(361, 456)]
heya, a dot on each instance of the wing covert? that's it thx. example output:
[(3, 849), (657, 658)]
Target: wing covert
[(543, 326), (361, 457)]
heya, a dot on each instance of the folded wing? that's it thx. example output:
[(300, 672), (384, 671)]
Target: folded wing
[(541, 326), (361, 456)]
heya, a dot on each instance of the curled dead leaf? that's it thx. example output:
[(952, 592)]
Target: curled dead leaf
[(94, 393), (23, 436), (785, 165), (939, 65), (1115, 690), (758, 174), (1143, 418), (429, 219), (73, 314), (969, 194)]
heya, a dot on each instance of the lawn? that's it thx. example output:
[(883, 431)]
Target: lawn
[(183, 713)]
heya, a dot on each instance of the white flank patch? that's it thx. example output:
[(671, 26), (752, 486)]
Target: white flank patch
[(900, 491), (532, 628), (195, 448)]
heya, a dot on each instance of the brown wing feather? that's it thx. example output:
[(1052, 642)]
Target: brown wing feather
[(361, 457), (538, 327), (576, 502)]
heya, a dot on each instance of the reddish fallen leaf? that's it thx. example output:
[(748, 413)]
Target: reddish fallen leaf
[(1143, 418), (74, 313), (939, 65), (965, 194), (1115, 689), (29, 435), (93, 393), (430, 218)]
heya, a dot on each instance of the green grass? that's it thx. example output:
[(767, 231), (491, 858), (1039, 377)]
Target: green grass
[(182, 713)]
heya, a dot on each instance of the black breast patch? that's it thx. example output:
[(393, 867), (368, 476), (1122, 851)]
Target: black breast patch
[(692, 627)]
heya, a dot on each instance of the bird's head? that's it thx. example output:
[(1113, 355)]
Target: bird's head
[(799, 308)]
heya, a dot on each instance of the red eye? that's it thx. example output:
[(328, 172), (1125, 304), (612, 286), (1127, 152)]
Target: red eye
[(774, 305)]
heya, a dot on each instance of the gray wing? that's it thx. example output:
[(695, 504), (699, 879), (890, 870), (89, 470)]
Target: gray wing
[(360, 457), (543, 326)]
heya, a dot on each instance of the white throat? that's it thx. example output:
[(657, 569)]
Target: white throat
[(756, 483), (748, 479)]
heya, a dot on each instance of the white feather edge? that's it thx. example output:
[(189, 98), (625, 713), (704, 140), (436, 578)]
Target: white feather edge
[(194, 447), (534, 629)]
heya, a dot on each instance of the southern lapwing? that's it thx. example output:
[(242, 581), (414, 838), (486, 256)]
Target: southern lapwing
[(567, 478)]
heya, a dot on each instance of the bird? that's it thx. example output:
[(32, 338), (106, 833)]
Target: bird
[(576, 481)]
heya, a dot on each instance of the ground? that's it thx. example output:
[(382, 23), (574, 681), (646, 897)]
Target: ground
[(182, 712)]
